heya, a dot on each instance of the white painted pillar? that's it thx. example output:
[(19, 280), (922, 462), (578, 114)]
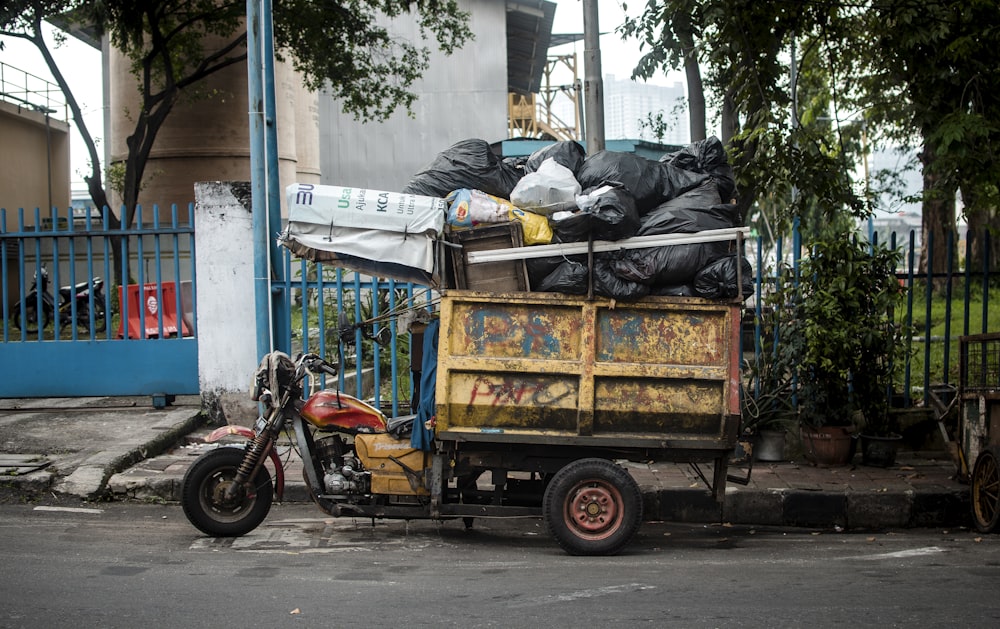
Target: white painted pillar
[(227, 354)]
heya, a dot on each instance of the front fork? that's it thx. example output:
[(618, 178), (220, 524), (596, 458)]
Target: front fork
[(261, 443)]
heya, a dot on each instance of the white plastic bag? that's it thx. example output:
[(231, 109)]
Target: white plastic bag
[(549, 189)]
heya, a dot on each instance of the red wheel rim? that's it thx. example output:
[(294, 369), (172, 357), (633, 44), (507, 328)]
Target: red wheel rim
[(593, 510)]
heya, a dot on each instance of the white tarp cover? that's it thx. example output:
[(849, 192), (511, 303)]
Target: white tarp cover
[(363, 208), (413, 250), (385, 233)]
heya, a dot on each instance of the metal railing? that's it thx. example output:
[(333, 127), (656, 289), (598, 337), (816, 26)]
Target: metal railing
[(85, 250), (361, 323), (24, 89), (938, 308)]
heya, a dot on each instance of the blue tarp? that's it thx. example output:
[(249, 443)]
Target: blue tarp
[(422, 437)]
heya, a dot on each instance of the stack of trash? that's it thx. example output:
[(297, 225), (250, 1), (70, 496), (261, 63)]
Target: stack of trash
[(561, 195)]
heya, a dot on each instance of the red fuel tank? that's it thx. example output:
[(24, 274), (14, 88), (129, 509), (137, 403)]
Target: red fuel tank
[(332, 410)]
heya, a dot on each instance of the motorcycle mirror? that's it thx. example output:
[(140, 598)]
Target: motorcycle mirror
[(345, 330)]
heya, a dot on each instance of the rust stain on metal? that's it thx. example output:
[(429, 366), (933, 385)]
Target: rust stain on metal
[(540, 365), (505, 330)]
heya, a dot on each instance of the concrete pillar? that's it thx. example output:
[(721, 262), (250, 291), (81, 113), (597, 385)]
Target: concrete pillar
[(206, 135), (227, 353)]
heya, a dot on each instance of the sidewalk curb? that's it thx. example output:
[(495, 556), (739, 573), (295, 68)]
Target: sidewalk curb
[(145, 455), (89, 481), (812, 509), (155, 446)]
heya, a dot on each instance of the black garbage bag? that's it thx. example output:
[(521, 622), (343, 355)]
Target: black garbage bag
[(707, 156), (694, 211), (516, 162), (650, 182), (569, 276), (608, 213), (467, 164), (540, 268), (669, 265), (718, 279), (607, 284), (569, 154), (682, 290), (679, 220)]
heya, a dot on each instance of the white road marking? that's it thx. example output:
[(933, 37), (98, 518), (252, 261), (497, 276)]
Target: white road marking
[(901, 554), (309, 540), (582, 594), (71, 510)]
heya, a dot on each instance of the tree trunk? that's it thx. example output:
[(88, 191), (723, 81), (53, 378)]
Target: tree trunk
[(696, 91), (938, 210)]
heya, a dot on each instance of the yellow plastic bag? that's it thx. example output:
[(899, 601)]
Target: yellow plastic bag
[(535, 228)]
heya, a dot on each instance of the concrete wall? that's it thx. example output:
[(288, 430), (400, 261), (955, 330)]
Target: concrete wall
[(35, 155), (460, 97), (34, 173), (227, 321)]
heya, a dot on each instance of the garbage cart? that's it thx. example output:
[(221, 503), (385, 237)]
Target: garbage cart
[(979, 388)]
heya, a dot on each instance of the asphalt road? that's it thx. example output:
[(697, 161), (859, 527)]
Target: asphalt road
[(135, 565)]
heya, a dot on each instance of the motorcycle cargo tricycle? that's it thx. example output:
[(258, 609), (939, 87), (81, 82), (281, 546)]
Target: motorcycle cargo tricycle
[(538, 399)]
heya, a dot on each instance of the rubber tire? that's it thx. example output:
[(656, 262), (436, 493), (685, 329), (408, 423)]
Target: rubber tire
[(83, 318), (31, 317), (607, 489), (986, 492), (203, 479)]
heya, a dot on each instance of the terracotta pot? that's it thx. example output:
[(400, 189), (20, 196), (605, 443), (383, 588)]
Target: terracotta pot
[(828, 445)]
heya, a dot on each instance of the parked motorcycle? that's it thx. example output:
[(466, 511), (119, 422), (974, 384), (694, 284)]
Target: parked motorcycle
[(76, 298), (228, 491)]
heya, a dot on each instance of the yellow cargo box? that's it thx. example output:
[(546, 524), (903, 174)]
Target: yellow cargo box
[(662, 372)]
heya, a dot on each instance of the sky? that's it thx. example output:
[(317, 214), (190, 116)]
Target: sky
[(82, 65), (618, 56)]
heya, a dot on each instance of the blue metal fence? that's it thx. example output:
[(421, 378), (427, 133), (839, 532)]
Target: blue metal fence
[(360, 323), (323, 297), (69, 330), (933, 303), (347, 317)]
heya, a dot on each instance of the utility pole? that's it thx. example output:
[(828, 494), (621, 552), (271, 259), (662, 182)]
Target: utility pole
[(593, 83)]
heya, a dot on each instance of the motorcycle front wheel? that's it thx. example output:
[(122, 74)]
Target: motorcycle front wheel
[(203, 495)]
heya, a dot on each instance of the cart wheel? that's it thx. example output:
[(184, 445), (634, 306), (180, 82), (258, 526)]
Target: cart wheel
[(592, 507), (986, 492)]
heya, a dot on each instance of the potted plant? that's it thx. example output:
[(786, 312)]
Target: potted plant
[(768, 398), (840, 309), (880, 351)]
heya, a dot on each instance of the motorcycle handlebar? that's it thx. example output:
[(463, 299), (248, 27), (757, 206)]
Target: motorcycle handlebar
[(315, 363), (328, 368)]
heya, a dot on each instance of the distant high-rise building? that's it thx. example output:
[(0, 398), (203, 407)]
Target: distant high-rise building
[(629, 104)]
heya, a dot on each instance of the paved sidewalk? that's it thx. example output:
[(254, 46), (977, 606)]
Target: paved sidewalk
[(124, 449)]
